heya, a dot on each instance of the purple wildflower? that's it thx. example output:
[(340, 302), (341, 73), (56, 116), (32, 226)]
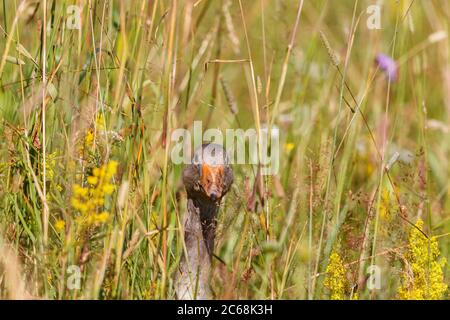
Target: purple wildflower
[(388, 65)]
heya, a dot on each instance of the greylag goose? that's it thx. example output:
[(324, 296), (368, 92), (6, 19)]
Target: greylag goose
[(207, 179)]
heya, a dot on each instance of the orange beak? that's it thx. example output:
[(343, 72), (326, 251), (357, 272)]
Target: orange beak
[(211, 181)]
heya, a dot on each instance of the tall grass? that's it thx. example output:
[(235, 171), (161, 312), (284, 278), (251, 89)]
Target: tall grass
[(75, 100)]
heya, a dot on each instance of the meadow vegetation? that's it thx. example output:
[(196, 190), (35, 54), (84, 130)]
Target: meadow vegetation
[(86, 114)]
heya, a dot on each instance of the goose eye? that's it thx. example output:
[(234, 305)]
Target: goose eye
[(196, 160)]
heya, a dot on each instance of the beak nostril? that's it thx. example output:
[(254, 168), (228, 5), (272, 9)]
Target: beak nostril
[(213, 196)]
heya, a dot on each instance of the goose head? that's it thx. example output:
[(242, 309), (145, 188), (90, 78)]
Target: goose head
[(209, 175)]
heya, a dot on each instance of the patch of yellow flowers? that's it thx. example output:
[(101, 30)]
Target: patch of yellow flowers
[(424, 279), (336, 280), (89, 201), (50, 166)]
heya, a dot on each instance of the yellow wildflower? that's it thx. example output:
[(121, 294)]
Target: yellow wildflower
[(99, 122), (96, 172), (60, 225), (89, 138), (80, 191), (289, 146), (108, 188), (92, 180), (50, 164), (102, 217), (90, 200), (424, 279), (335, 280), (111, 169)]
